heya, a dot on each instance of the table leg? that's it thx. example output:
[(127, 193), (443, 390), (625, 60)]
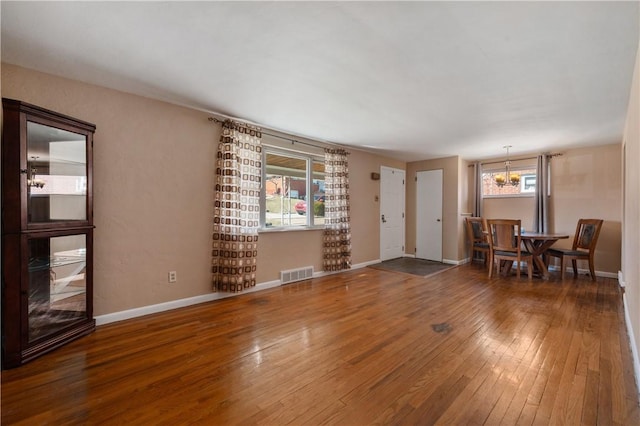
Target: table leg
[(537, 249)]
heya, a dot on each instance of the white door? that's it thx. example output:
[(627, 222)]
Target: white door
[(391, 213), (429, 215)]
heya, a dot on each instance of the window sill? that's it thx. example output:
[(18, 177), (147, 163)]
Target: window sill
[(289, 229), (509, 196)]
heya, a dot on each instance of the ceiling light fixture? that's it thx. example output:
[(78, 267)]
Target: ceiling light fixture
[(508, 177)]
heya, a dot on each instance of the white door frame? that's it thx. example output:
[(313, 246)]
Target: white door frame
[(429, 203), (392, 212)]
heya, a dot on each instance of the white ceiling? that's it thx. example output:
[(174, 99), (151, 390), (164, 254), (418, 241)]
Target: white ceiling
[(415, 80)]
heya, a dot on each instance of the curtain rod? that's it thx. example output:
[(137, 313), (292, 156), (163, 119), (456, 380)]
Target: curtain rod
[(518, 159), (293, 141)]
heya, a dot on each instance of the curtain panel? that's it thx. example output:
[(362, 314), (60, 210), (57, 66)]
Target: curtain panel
[(541, 215), (337, 221), (236, 215), (477, 189)]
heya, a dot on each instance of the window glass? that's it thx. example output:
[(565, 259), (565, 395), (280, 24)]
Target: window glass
[(527, 184), (293, 190), (57, 174), (57, 283), (317, 188)]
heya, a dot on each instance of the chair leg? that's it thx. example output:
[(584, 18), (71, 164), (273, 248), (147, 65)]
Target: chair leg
[(592, 270), (490, 265), (562, 268), (518, 270), (574, 262)]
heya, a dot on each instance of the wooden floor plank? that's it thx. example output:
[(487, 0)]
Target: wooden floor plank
[(563, 412), (361, 347)]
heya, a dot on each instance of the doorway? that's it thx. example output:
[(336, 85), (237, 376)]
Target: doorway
[(392, 190), (429, 215)]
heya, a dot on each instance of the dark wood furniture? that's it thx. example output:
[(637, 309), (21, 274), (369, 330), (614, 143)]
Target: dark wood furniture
[(505, 244), (583, 248), (537, 243), (477, 236), (47, 231)]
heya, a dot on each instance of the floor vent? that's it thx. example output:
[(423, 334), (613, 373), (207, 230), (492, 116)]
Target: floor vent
[(298, 274)]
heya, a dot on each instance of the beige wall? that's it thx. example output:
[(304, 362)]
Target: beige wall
[(631, 226), (153, 194), (587, 183), (452, 220), (510, 208), (152, 203), (365, 207)]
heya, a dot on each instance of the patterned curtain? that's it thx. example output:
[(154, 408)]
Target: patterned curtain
[(237, 207), (337, 225)]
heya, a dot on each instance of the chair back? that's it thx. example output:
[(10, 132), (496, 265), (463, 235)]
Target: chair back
[(505, 235), (587, 232), (475, 230)]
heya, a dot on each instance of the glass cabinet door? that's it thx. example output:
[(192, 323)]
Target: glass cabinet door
[(57, 279), (47, 231), (56, 174)]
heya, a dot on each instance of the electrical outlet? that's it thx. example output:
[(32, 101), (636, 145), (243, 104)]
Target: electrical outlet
[(173, 276)]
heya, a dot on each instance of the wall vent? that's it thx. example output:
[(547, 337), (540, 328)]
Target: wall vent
[(299, 274)]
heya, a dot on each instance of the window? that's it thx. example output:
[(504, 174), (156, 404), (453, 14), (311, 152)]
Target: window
[(527, 185), (292, 190)]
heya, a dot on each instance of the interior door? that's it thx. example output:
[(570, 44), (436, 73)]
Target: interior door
[(392, 219), (429, 215)]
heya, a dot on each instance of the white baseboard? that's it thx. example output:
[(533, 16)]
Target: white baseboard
[(569, 270), (189, 301), (160, 307), (175, 304), (365, 264), (632, 342), (450, 262), (621, 281)]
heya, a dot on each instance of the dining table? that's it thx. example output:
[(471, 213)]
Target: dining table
[(537, 243)]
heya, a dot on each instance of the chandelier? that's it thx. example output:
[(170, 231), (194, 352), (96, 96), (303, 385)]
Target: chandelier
[(508, 178), (33, 181)]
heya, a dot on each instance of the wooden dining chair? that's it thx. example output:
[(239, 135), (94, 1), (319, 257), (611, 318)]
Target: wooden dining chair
[(505, 244), (477, 235), (584, 247)]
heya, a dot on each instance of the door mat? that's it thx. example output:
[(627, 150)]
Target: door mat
[(409, 265)]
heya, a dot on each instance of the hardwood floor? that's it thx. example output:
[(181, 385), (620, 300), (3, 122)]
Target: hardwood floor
[(362, 347)]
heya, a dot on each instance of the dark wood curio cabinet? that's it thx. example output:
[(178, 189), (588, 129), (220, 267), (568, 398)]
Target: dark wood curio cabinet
[(47, 231)]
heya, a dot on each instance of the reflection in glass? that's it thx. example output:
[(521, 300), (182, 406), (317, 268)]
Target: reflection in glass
[(317, 187), (57, 181), (57, 283)]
